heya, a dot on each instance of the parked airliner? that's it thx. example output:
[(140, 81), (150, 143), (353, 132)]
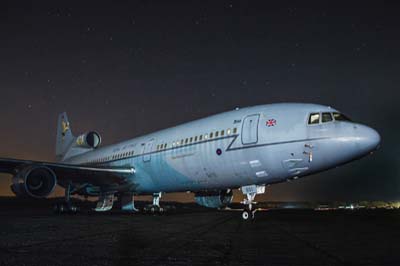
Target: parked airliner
[(247, 149)]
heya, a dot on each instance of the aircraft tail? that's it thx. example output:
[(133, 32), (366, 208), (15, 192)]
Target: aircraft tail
[(64, 137)]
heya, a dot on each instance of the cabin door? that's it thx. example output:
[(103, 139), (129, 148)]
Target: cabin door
[(250, 129), (147, 149)]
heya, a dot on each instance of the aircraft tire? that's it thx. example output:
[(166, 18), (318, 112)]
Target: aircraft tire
[(245, 215)]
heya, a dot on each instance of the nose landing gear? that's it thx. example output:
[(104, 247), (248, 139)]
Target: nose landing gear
[(250, 191), (155, 208)]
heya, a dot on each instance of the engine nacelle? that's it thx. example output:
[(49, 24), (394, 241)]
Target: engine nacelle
[(90, 140), (35, 182), (214, 199)]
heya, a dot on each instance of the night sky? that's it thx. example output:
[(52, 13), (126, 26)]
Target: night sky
[(130, 69)]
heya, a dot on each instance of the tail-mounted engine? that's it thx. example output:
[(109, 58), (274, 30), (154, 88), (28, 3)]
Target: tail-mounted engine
[(34, 181), (90, 140), (214, 199)]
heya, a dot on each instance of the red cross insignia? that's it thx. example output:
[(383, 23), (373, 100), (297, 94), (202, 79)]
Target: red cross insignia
[(271, 122)]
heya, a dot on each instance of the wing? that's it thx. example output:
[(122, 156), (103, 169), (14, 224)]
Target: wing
[(94, 175)]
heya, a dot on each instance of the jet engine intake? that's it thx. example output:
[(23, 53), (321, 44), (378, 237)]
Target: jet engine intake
[(214, 199), (35, 182), (91, 140)]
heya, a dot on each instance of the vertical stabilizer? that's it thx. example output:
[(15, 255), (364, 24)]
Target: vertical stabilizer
[(64, 138)]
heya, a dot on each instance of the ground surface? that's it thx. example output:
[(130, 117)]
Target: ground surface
[(35, 236)]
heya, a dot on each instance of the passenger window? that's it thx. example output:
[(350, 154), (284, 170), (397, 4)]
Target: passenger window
[(200, 137), (228, 131), (326, 117), (222, 132), (186, 141), (211, 135), (314, 119), (340, 117), (234, 130), (191, 139), (182, 142), (195, 138), (216, 133), (165, 145), (205, 136)]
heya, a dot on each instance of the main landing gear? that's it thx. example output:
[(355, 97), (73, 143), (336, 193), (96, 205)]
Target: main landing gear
[(66, 206), (127, 202), (105, 203), (155, 207), (250, 191)]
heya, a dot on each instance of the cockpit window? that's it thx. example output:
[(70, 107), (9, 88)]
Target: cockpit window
[(314, 119), (340, 117), (326, 117)]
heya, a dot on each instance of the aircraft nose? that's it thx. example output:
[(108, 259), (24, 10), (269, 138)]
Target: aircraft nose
[(368, 139)]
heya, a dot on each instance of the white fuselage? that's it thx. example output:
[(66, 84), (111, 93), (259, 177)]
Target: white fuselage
[(256, 145)]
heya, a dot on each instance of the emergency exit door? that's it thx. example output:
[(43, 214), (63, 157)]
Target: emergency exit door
[(250, 129)]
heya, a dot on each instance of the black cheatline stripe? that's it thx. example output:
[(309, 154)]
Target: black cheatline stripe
[(271, 144)]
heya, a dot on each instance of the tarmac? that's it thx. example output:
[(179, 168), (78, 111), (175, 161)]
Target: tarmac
[(34, 235)]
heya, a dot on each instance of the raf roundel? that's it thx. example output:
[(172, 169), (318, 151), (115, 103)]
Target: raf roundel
[(270, 122)]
